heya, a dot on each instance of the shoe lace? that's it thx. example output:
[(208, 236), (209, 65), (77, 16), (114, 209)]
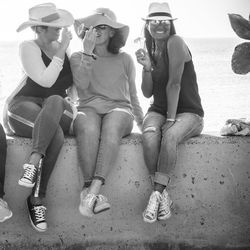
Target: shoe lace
[(90, 199), (40, 213), (30, 171), (3, 203), (164, 205), (153, 204), (101, 198)]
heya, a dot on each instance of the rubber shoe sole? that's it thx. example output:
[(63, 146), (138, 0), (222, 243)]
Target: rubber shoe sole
[(25, 184), (7, 217)]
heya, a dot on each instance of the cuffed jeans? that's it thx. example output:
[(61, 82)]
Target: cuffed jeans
[(3, 152), (160, 145), (98, 140), (45, 121)]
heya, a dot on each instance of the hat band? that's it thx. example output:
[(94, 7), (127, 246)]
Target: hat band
[(159, 14), (49, 18)]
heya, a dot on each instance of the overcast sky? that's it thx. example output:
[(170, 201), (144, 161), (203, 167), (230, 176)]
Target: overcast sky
[(196, 18)]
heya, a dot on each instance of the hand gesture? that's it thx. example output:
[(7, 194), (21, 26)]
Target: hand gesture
[(66, 37), (143, 58), (89, 41)]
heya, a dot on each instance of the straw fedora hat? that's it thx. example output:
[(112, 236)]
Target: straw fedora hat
[(103, 16), (159, 11), (47, 15)]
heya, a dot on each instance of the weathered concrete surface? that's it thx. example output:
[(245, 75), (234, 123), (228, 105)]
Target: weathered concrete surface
[(210, 193)]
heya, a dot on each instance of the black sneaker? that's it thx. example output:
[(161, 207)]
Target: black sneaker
[(37, 216), (29, 176)]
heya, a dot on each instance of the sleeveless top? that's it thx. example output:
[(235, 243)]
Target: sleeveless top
[(63, 82), (189, 99)]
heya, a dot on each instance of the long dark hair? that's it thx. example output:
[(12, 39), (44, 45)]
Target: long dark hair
[(150, 43), (116, 42)]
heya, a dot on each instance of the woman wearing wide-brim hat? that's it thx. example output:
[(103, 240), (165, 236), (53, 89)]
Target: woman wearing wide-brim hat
[(176, 113), (37, 108), (105, 81)]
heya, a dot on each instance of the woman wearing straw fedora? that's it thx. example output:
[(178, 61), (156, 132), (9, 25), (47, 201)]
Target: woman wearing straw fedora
[(176, 113), (37, 108), (108, 102)]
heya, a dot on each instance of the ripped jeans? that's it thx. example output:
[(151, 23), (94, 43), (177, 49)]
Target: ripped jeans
[(160, 146)]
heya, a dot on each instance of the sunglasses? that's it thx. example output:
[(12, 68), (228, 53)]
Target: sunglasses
[(101, 27), (157, 22)]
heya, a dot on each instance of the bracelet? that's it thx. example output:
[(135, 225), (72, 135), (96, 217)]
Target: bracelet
[(170, 120), (90, 55)]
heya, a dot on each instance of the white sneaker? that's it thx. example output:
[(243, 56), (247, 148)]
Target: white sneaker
[(29, 177), (150, 213), (87, 203), (5, 212), (102, 204), (164, 211)]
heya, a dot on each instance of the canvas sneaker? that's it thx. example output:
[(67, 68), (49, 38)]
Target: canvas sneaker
[(87, 203), (101, 205), (164, 211), (151, 211), (29, 177), (37, 216), (5, 212)]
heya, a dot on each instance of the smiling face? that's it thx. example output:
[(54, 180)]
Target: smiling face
[(159, 29), (103, 34)]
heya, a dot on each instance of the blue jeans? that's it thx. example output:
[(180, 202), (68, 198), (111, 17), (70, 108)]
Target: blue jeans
[(3, 152), (160, 145), (98, 139), (45, 121)]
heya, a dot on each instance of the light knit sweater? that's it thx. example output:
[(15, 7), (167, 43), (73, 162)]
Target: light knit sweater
[(106, 83)]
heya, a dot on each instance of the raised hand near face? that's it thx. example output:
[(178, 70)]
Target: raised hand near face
[(66, 37), (89, 41)]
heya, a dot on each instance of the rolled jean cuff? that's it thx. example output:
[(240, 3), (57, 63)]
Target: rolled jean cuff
[(161, 178)]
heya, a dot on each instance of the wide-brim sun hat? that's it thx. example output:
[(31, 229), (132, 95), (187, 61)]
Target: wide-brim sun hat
[(102, 16), (159, 11), (47, 15)]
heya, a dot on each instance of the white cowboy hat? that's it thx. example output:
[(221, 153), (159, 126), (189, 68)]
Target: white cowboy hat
[(47, 15), (159, 11), (103, 16)]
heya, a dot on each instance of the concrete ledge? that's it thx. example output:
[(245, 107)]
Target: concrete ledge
[(210, 193)]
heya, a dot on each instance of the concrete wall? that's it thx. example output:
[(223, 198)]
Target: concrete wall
[(211, 194)]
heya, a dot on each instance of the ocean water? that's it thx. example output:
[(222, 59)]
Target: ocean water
[(224, 94)]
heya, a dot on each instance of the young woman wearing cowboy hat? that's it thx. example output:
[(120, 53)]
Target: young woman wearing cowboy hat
[(37, 108), (176, 113), (105, 81)]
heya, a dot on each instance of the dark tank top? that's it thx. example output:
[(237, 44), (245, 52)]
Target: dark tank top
[(63, 82), (189, 99)]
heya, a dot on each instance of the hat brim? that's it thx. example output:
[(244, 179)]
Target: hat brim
[(65, 19), (98, 19), (159, 18)]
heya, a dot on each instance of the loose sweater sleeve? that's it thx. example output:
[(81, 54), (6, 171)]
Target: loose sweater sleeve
[(81, 67), (131, 73), (34, 67)]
